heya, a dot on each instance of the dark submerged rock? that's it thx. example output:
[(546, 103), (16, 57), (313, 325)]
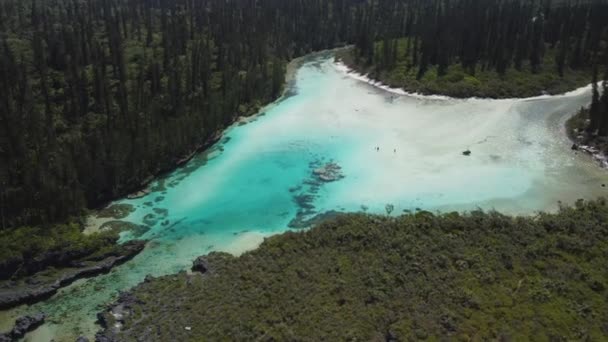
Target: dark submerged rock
[(329, 172), (466, 153)]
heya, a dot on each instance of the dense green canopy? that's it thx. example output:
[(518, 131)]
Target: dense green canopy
[(375, 278), (98, 96)]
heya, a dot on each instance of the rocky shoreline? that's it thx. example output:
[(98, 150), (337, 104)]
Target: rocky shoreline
[(582, 141), (22, 326), (594, 152), (345, 266), (39, 286), (112, 319)]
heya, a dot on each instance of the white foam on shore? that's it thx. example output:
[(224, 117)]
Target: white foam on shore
[(340, 66)]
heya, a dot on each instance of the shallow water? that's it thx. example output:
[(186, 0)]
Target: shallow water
[(254, 182)]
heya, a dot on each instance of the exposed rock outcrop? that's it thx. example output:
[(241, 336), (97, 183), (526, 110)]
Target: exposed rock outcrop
[(200, 264), (37, 287), (113, 317), (22, 326), (211, 263), (595, 153)]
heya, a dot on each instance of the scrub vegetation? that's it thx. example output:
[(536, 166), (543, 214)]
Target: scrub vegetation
[(480, 275), (97, 97), (27, 250), (482, 82)]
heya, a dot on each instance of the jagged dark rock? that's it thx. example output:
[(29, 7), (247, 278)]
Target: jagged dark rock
[(13, 293), (22, 326), (40, 262), (113, 317), (200, 264), (82, 339), (102, 337), (211, 263), (27, 323)]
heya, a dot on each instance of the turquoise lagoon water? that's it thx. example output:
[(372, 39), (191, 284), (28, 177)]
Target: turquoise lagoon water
[(259, 176)]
